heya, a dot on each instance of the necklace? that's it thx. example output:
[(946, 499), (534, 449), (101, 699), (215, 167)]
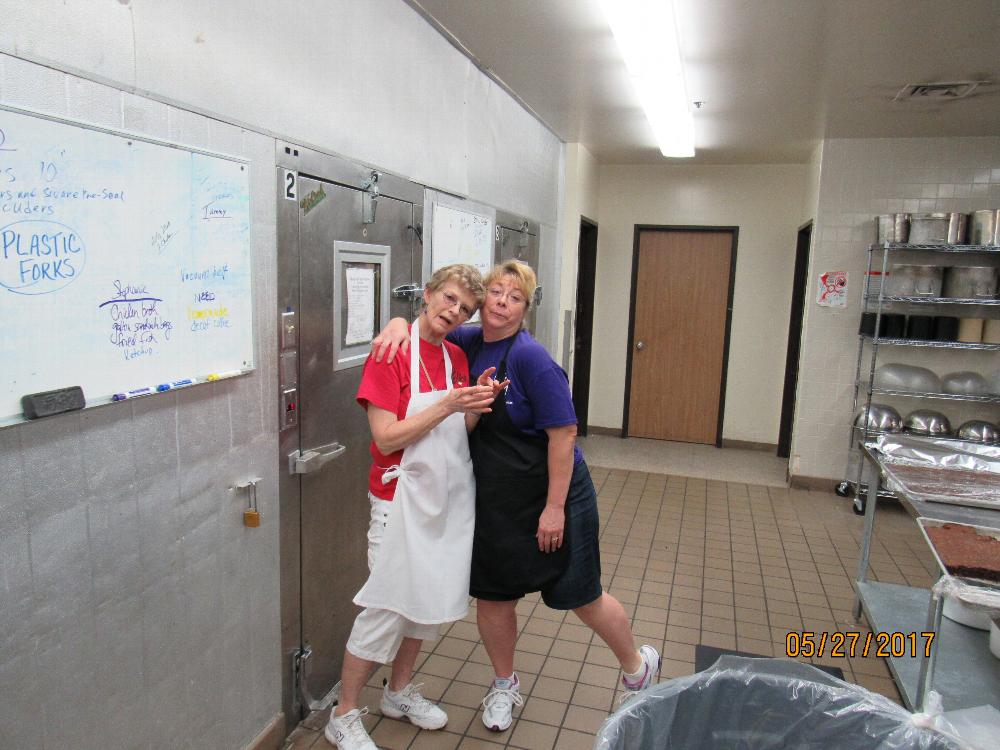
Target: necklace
[(426, 374)]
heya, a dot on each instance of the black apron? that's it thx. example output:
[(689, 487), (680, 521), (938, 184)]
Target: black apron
[(512, 483)]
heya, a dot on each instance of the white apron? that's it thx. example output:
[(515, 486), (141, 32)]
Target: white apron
[(422, 566)]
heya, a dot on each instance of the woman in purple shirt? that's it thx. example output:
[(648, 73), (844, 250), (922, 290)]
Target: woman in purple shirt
[(536, 507)]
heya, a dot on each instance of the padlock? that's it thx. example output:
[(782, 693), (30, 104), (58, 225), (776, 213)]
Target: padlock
[(251, 518)]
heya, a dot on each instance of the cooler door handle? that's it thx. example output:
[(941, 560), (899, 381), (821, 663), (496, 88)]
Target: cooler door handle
[(314, 460)]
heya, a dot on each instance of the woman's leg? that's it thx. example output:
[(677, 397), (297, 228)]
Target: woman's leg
[(606, 617), (497, 623), (353, 676), (402, 665)]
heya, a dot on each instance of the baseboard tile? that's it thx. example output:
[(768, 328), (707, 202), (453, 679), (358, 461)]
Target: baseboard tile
[(270, 737), (612, 431), (749, 445), (799, 482)]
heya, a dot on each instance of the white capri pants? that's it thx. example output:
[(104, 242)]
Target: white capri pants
[(378, 633)]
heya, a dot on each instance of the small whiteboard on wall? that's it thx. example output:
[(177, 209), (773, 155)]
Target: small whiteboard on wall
[(124, 263), (461, 237)]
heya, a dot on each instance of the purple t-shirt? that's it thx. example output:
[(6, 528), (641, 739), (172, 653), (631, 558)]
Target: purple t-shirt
[(538, 396)]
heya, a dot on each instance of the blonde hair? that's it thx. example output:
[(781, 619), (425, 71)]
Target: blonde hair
[(464, 275), (523, 274)]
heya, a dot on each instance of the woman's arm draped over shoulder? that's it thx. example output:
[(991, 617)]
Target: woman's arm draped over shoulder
[(395, 335)]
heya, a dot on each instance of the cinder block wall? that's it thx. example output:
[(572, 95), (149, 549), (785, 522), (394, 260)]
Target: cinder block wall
[(859, 179)]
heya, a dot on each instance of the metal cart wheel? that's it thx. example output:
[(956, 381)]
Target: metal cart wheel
[(843, 489)]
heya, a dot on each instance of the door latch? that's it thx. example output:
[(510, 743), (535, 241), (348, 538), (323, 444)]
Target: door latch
[(314, 460), (408, 291)]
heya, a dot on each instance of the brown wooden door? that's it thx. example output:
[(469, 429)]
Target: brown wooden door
[(682, 299)]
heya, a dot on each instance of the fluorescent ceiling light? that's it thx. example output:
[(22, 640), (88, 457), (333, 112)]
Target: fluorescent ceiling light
[(647, 38)]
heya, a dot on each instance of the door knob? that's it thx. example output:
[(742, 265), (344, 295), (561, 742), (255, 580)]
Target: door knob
[(639, 345)]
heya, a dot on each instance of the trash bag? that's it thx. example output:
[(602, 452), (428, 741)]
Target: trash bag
[(766, 704)]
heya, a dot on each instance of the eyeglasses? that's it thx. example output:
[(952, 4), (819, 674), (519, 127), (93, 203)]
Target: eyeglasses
[(451, 300), (514, 296)]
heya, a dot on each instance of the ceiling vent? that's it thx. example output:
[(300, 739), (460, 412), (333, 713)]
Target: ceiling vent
[(937, 92)]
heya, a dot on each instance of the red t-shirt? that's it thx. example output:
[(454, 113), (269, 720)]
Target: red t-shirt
[(387, 386)]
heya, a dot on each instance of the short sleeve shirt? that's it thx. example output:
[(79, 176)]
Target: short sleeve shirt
[(387, 386), (538, 396)]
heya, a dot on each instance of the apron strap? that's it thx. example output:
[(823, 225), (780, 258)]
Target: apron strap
[(502, 370), (415, 360), (478, 347), (391, 473)]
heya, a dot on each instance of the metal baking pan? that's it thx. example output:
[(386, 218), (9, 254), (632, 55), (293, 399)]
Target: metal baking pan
[(992, 533)]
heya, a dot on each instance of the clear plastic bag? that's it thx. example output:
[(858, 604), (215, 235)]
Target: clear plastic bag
[(977, 596), (767, 704)]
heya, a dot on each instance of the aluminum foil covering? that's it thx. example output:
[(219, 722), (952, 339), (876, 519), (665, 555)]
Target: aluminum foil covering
[(941, 471)]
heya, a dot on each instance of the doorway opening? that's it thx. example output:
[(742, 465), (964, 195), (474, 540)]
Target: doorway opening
[(584, 328), (794, 339), (679, 326)]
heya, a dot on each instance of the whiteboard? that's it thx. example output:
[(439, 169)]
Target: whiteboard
[(461, 237), (124, 262)]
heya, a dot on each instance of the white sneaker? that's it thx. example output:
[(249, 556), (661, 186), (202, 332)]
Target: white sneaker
[(499, 703), (347, 732), (409, 703), (644, 677)]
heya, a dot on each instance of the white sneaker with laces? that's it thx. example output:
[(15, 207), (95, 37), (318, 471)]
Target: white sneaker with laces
[(647, 672), (409, 703), (347, 732), (498, 705)]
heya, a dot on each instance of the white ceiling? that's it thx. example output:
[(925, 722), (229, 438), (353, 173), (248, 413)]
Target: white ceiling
[(776, 76)]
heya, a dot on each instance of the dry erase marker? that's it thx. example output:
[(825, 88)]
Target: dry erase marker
[(220, 375), (176, 384), (131, 394)]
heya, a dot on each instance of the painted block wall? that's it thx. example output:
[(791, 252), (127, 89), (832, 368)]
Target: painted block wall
[(580, 200), (766, 203), (860, 178), (135, 609), (371, 81)]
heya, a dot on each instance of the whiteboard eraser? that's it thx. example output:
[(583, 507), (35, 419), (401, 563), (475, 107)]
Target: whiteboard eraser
[(48, 403)]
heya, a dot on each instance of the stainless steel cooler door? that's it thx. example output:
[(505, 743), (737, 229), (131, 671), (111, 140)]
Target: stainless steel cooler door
[(519, 245), (334, 501)]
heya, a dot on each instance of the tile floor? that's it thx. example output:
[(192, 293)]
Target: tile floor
[(693, 561), (686, 459)]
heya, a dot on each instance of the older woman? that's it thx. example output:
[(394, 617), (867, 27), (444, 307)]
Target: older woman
[(422, 496), (536, 507)]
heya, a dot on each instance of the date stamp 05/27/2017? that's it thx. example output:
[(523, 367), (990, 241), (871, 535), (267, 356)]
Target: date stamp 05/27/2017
[(849, 643)]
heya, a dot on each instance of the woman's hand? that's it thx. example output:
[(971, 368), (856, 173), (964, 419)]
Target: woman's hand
[(475, 399), (485, 379), (550, 528), (395, 335)]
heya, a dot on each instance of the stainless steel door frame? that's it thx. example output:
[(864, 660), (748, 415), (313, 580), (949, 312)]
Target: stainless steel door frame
[(324, 514)]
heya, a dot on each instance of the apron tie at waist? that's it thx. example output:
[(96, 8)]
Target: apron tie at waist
[(391, 473)]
